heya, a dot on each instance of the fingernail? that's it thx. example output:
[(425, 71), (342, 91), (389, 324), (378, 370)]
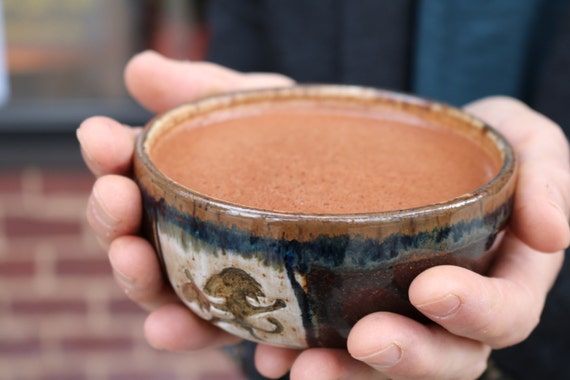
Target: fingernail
[(101, 215), (91, 163), (563, 218), (126, 282), (81, 138), (385, 358), (441, 308), (79, 134), (555, 205)]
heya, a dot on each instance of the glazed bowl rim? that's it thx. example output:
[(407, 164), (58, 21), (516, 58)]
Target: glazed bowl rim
[(327, 91)]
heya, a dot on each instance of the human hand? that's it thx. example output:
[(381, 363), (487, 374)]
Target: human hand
[(492, 312), (472, 314), (114, 208)]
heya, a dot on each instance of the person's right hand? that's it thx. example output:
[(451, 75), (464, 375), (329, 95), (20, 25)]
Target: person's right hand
[(464, 339), (114, 209)]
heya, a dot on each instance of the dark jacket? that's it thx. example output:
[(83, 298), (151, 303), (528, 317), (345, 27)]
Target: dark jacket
[(454, 51)]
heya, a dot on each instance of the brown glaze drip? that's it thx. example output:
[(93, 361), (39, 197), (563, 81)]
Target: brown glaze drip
[(302, 161)]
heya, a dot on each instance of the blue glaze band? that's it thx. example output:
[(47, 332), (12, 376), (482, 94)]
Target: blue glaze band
[(356, 255)]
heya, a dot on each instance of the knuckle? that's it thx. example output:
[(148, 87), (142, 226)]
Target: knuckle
[(501, 331), (514, 334), (467, 361)]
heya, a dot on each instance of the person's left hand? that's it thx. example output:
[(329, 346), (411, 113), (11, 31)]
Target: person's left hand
[(472, 314)]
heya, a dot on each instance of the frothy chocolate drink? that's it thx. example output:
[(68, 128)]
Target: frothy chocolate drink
[(306, 160)]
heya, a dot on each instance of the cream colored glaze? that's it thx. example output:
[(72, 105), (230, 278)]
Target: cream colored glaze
[(302, 161)]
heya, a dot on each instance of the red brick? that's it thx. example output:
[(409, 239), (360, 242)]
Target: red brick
[(70, 375), (67, 182), (146, 375), (221, 376), (45, 307), (10, 183), (83, 267), (124, 306), (22, 249), (26, 346), (17, 268), (77, 248), (31, 227), (97, 343)]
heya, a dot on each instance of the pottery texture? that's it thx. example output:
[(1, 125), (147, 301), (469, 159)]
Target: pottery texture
[(301, 280)]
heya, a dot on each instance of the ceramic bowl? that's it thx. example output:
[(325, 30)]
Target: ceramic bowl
[(303, 280)]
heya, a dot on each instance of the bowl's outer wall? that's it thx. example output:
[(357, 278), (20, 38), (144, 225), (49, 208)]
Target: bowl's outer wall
[(299, 280)]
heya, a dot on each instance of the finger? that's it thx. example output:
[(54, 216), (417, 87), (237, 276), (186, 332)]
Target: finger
[(114, 208), (159, 83), (174, 327), (274, 362), (106, 145), (401, 348), (501, 310), (137, 271), (542, 199), (328, 364)]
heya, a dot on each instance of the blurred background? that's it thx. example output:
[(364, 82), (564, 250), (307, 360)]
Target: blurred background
[(61, 61)]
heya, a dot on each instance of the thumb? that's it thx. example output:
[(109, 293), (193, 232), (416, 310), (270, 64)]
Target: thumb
[(160, 83), (542, 199)]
